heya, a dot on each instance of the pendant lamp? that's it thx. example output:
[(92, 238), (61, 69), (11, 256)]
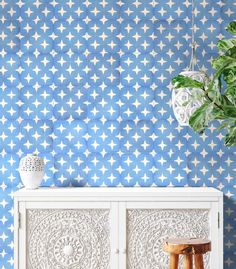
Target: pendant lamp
[(183, 103)]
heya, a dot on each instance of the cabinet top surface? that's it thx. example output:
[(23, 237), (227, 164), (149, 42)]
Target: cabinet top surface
[(119, 191)]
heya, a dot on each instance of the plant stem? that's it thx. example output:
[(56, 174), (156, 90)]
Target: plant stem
[(210, 99)]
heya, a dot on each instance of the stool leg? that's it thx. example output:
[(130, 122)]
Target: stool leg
[(198, 261), (174, 261), (188, 262)]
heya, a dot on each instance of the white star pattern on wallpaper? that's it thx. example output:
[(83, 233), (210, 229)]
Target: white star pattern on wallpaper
[(86, 85)]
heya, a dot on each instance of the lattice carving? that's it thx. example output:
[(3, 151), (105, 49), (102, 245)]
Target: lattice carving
[(68, 239), (184, 101), (147, 230)]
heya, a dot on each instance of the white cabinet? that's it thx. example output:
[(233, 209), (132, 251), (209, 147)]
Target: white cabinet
[(112, 228)]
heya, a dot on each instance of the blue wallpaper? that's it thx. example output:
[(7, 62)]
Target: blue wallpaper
[(86, 84)]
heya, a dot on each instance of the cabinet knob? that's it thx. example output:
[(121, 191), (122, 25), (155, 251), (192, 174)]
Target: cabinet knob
[(116, 251), (123, 250)]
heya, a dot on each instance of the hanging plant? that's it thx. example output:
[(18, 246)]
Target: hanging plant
[(218, 102)]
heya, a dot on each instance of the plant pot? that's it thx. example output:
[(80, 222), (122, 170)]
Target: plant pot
[(31, 171)]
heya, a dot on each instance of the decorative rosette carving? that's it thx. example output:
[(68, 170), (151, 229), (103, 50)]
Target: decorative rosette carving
[(147, 230), (68, 239)]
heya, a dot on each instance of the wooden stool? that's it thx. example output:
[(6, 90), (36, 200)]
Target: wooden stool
[(188, 247)]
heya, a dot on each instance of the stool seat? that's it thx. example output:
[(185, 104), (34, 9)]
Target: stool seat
[(189, 247)]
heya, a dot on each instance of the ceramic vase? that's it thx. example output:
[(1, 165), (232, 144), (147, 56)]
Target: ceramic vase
[(31, 171)]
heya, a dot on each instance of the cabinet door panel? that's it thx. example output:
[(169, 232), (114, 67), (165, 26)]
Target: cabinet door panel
[(147, 229), (68, 238)]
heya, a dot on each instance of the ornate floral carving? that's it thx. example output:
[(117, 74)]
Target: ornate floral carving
[(68, 239), (147, 230)]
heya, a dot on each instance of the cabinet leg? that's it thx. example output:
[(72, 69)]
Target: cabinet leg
[(188, 262), (198, 261), (174, 261)]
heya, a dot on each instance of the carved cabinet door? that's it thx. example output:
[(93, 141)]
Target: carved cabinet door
[(68, 235), (148, 224)]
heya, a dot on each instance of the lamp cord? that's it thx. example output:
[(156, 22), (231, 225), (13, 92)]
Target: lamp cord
[(193, 59)]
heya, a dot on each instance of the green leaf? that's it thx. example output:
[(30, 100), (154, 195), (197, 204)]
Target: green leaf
[(215, 92), (221, 61), (220, 64), (218, 114), (230, 111), (201, 117), (224, 101), (230, 138), (223, 125), (226, 44), (231, 28), (232, 100), (185, 82), (231, 52), (219, 84), (230, 75), (231, 90)]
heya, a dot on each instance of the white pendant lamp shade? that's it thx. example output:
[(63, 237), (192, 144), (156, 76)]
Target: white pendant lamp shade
[(182, 102)]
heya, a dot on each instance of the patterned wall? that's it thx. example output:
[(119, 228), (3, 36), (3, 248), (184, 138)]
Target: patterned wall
[(86, 84)]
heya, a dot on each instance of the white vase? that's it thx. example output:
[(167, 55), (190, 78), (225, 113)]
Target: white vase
[(182, 96), (31, 171)]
